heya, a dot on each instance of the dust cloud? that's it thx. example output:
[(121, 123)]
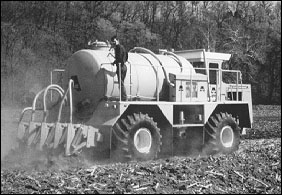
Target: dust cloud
[(9, 123), (13, 156)]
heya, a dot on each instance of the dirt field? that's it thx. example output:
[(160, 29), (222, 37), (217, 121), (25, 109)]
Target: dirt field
[(254, 168)]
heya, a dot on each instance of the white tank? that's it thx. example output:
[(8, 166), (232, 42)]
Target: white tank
[(146, 76)]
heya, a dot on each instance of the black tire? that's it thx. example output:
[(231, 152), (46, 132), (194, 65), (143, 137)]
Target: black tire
[(222, 134), (126, 136)]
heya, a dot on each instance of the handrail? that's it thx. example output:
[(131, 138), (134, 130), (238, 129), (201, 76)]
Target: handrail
[(102, 64), (154, 55), (220, 85), (218, 98), (130, 80), (207, 72), (237, 92), (119, 75), (191, 85)]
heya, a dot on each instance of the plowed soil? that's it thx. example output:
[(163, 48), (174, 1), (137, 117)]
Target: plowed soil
[(254, 168)]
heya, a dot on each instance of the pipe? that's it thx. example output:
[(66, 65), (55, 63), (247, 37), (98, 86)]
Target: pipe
[(54, 70), (154, 55), (53, 87), (71, 84), (34, 103), (22, 113), (157, 78), (44, 97), (61, 105), (178, 60)]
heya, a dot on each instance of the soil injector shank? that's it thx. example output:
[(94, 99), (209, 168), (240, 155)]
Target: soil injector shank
[(44, 135)]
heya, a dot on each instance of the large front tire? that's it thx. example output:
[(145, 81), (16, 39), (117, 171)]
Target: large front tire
[(222, 134), (136, 137)]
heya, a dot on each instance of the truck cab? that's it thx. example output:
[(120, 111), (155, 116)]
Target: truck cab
[(224, 85)]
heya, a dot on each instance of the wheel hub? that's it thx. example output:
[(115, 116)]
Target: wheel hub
[(143, 140), (227, 136)]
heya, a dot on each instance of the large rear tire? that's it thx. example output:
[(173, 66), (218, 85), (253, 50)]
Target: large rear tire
[(222, 134), (136, 137)]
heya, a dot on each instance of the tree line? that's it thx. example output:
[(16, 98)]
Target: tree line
[(38, 36)]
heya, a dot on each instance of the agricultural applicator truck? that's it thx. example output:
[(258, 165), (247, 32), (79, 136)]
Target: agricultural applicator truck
[(178, 102)]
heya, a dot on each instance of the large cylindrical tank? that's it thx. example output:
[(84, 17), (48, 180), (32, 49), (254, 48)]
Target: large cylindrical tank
[(146, 78)]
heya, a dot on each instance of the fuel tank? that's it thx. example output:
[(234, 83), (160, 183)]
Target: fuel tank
[(95, 77)]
